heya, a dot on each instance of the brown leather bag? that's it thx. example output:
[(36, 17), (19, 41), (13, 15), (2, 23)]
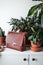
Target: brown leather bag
[(16, 40)]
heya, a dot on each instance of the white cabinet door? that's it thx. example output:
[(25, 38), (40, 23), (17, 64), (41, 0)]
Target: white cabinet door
[(36, 59), (14, 59)]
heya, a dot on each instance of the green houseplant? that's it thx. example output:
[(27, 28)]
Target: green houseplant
[(36, 37), (2, 37)]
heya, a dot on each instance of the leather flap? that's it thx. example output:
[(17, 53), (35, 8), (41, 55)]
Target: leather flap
[(15, 38)]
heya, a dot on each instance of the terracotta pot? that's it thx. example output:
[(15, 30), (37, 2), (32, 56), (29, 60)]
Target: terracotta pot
[(35, 47), (2, 40)]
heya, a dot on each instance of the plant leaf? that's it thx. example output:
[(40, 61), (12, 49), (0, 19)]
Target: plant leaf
[(34, 40)]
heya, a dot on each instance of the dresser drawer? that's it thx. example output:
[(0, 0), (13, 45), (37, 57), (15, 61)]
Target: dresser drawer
[(14, 59), (36, 59)]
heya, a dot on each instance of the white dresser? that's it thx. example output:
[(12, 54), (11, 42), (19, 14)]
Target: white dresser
[(14, 57)]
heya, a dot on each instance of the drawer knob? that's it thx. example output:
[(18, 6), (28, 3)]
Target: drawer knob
[(33, 59), (24, 59)]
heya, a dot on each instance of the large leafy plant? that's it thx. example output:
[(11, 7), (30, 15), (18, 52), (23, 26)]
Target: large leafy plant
[(34, 15)]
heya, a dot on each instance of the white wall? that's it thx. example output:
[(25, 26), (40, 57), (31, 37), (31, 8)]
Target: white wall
[(15, 9)]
